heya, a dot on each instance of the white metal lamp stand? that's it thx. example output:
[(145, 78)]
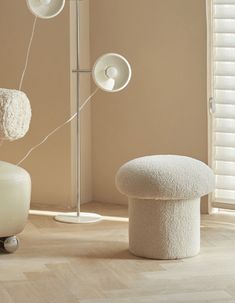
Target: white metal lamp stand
[(111, 73)]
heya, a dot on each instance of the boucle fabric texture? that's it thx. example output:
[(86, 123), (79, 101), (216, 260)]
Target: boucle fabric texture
[(15, 114), (165, 177), (164, 230)]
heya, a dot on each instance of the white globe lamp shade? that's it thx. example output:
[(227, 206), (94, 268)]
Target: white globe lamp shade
[(45, 9), (111, 72)]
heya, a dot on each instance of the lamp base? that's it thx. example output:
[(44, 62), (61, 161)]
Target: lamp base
[(82, 218)]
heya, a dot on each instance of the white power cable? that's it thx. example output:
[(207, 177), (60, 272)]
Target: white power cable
[(28, 53), (87, 100), (57, 128), (26, 62), (20, 86)]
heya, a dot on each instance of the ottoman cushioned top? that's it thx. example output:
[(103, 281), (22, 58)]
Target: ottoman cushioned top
[(165, 177)]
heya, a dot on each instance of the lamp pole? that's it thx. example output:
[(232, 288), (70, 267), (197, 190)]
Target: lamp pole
[(111, 73), (78, 164), (80, 217)]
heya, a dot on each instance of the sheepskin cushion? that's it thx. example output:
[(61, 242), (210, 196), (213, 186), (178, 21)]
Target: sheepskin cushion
[(165, 177), (15, 114)]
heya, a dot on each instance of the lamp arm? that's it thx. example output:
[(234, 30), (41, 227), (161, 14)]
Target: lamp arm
[(82, 71)]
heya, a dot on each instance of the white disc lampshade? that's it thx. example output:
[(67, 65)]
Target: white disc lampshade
[(45, 9), (111, 72)]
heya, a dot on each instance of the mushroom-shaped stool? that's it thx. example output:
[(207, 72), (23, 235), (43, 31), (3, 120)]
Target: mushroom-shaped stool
[(164, 194)]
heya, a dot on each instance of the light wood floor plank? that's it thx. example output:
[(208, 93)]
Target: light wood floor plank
[(91, 264)]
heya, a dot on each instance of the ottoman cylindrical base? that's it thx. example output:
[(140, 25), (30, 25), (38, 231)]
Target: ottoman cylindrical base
[(164, 229)]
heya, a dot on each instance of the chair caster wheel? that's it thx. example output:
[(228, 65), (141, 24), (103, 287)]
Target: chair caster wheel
[(9, 244)]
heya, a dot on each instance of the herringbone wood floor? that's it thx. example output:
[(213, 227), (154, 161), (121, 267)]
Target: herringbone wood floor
[(91, 264)]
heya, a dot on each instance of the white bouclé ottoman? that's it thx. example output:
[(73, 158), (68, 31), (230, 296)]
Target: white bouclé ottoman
[(164, 204)]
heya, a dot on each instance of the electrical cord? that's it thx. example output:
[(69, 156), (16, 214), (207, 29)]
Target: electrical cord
[(26, 63), (57, 128), (20, 87), (28, 54)]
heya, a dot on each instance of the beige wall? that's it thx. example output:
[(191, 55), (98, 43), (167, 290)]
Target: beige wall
[(51, 88), (163, 110), (48, 88)]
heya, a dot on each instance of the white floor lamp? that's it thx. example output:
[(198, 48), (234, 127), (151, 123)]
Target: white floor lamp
[(111, 73)]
